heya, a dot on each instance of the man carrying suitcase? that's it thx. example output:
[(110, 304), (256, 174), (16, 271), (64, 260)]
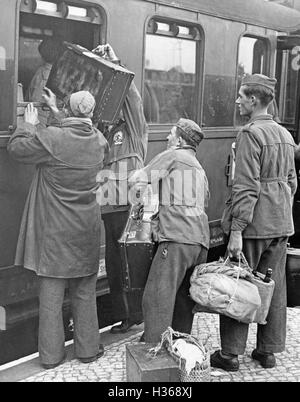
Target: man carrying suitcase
[(128, 139), (180, 227)]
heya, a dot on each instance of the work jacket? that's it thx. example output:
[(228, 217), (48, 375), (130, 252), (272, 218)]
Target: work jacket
[(127, 152), (264, 181), (181, 182), (60, 229)]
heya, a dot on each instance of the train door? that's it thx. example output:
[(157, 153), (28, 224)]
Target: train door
[(288, 100)]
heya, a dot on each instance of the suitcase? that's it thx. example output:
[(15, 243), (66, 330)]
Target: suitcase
[(293, 277), (142, 367), (137, 252), (79, 69)]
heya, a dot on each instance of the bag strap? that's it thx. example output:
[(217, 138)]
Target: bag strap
[(241, 258), (236, 282)]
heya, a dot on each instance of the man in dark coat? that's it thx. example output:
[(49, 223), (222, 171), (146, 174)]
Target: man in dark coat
[(60, 230), (127, 140), (261, 218)]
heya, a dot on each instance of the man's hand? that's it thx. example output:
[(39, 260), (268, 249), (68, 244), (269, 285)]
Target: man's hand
[(106, 51), (235, 244), (50, 98), (31, 115)]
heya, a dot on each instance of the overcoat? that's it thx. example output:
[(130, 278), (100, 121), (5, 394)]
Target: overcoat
[(60, 229)]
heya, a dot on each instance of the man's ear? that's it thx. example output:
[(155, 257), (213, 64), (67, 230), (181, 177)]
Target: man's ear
[(180, 141), (253, 100)]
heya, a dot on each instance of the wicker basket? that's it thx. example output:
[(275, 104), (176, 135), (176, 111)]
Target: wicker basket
[(201, 372)]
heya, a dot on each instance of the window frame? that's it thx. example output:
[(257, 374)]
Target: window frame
[(266, 67), (100, 33), (199, 66)]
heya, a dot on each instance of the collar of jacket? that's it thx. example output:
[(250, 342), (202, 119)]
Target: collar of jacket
[(267, 117), (76, 121), (186, 147)]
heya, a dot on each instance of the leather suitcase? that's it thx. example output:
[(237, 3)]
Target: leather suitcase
[(137, 251), (293, 277), (142, 367), (79, 69)]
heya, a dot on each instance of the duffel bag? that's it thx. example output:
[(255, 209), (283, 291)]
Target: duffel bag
[(225, 293)]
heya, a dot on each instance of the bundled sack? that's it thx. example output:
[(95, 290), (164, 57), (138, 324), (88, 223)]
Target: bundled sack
[(222, 287)]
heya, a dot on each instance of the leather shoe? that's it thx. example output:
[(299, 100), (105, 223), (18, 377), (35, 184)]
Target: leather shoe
[(93, 358), (124, 326), (227, 364), (49, 366), (266, 360)]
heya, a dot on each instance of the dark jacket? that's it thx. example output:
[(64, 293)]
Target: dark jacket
[(60, 229), (127, 152)]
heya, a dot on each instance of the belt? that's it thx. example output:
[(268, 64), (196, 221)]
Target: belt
[(273, 179)]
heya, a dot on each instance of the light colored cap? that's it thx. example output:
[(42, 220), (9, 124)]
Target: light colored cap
[(82, 103), (260, 79)]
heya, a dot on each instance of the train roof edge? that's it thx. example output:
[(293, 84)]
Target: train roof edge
[(255, 12)]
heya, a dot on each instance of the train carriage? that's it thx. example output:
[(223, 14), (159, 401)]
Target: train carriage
[(188, 57)]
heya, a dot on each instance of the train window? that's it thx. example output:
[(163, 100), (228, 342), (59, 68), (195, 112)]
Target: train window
[(252, 59), (51, 22), (288, 81), (170, 85)]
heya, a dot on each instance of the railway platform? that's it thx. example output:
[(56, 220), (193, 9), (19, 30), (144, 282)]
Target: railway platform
[(112, 366)]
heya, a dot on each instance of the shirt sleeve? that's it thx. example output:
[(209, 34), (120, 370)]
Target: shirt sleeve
[(292, 180), (246, 184), (133, 113), (25, 147)]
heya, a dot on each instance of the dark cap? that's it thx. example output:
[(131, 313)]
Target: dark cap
[(191, 129), (260, 79), (50, 49)]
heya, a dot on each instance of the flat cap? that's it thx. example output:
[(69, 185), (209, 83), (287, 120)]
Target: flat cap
[(260, 79), (191, 129), (82, 103)]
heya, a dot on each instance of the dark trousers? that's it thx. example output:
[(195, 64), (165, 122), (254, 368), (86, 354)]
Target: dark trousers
[(166, 300), (261, 254), (125, 305), (82, 292)]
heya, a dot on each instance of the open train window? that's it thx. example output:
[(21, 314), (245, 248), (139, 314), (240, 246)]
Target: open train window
[(252, 59), (74, 22), (171, 80)]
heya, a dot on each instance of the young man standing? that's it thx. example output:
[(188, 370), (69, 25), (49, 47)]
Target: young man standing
[(261, 218)]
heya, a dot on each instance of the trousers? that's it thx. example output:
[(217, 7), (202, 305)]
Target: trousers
[(125, 305), (166, 300), (82, 292), (261, 254)]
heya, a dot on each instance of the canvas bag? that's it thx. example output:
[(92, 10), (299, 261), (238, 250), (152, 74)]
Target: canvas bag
[(222, 288)]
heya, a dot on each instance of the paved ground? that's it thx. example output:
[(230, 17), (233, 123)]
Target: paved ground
[(112, 367)]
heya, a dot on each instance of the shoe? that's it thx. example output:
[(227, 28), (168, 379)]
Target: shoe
[(266, 360), (228, 364), (124, 326), (93, 358), (49, 366)]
